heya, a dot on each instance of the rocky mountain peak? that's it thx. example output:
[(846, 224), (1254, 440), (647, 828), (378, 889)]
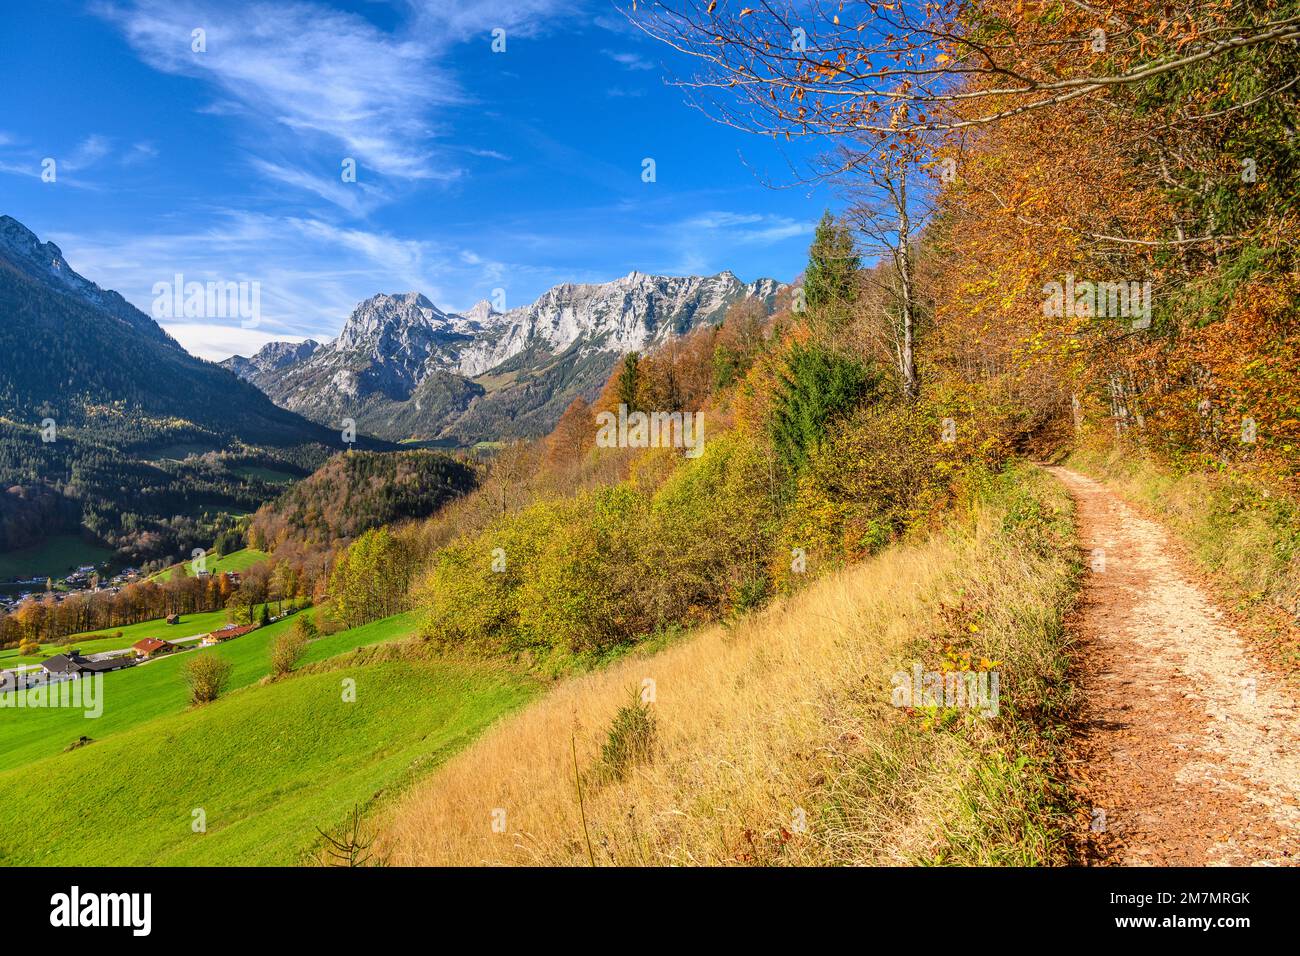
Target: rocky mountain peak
[(403, 367), (271, 357), (481, 312), (44, 262), (397, 317)]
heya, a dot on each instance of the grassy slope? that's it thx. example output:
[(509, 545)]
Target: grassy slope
[(267, 765), (789, 710), (151, 691), (239, 560), (265, 474), (53, 557)]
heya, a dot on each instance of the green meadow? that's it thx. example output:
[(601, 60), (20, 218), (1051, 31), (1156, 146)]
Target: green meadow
[(144, 693), (267, 764), (240, 560), (53, 557)]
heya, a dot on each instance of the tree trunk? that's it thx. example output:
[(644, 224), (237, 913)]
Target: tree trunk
[(907, 356)]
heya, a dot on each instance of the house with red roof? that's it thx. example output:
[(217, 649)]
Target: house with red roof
[(152, 647)]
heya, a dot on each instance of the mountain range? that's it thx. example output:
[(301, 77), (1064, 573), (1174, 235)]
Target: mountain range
[(403, 368), (109, 427), (108, 424)]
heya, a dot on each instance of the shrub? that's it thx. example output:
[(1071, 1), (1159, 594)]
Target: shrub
[(631, 738), (471, 595), (710, 533), (371, 576), (286, 651), (881, 471), (207, 676), (305, 627), (584, 587)]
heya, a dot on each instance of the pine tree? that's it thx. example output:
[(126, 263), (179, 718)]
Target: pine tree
[(830, 281), (629, 381)]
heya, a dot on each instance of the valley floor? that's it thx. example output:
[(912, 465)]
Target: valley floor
[(1191, 745)]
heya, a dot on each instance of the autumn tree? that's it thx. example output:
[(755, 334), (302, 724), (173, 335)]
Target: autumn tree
[(371, 578), (785, 68), (888, 208)]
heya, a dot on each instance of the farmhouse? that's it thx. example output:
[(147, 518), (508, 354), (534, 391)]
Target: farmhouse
[(227, 632), (152, 647), (73, 664)]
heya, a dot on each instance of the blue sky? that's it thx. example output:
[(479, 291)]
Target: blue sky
[(476, 170)]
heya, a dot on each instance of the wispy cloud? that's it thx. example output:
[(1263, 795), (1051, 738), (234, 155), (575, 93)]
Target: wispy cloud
[(310, 70), (314, 83), (139, 153), (87, 153), (311, 273), (216, 342), (487, 153), (630, 61), (29, 161), (462, 20), (748, 228), (357, 198)]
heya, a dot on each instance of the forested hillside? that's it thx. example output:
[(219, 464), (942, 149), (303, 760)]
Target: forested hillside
[(356, 491), (108, 426), (1055, 242)]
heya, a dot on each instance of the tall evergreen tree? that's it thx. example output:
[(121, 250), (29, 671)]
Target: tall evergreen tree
[(830, 279), (629, 381)]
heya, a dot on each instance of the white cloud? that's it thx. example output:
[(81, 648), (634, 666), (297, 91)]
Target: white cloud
[(318, 73), (487, 153), (630, 61), (89, 152), (722, 220), (357, 198), (139, 153), (462, 20), (217, 342), (748, 228), (317, 84), (86, 154)]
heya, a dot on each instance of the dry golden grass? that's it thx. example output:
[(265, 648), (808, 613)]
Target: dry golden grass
[(776, 741)]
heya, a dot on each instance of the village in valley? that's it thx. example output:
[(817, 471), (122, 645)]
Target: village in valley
[(113, 651), (87, 578)]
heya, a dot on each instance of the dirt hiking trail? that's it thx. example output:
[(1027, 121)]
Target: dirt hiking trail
[(1189, 746)]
